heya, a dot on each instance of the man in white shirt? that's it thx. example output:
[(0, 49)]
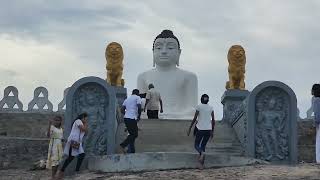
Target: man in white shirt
[(131, 108), (153, 99), (205, 122)]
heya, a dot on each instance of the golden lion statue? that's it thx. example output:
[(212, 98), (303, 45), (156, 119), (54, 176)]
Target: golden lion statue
[(236, 68), (114, 58)]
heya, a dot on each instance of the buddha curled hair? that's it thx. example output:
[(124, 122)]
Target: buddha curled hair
[(166, 34)]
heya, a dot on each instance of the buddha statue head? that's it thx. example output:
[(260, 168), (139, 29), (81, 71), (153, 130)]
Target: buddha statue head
[(166, 49)]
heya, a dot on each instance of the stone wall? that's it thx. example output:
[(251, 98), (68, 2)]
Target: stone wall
[(25, 124), (25, 140), (306, 140), (17, 152)]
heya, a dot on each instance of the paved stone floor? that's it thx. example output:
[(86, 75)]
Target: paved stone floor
[(257, 172)]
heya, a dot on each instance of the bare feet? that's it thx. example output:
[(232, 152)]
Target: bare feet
[(201, 161), (122, 150), (59, 175), (200, 166)]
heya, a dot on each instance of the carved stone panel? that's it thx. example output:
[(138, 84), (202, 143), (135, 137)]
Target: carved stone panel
[(93, 96), (272, 118), (40, 101), (121, 94), (232, 104), (272, 110), (10, 101)]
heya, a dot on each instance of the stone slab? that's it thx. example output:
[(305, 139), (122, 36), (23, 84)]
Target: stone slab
[(163, 161), (272, 123), (98, 99)]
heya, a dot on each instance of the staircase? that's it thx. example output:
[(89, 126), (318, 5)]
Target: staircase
[(163, 144), (164, 135)]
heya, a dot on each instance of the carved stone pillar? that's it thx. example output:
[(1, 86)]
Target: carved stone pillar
[(232, 104)]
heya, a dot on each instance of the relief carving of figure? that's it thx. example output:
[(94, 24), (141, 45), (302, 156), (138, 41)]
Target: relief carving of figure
[(114, 58), (93, 101), (236, 68), (271, 140)]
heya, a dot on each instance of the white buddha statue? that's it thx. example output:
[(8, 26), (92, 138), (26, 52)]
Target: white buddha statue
[(178, 88)]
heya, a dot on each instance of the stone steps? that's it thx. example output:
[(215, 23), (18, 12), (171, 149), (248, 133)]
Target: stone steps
[(164, 135), (163, 161)]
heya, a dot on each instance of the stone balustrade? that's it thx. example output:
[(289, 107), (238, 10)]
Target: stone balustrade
[(40, 102)]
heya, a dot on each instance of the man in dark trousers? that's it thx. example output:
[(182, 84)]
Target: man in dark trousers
[(153, 100), (131, 108)]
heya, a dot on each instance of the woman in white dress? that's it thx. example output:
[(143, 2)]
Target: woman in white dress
[(55, 151), (73, 147), (316, 109)]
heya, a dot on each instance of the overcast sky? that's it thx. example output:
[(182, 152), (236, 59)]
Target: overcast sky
[(54, 43)]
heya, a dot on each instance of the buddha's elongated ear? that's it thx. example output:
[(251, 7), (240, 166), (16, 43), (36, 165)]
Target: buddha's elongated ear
[(154, 63), (178, 61)]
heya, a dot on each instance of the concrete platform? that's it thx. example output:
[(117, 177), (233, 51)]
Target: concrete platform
[(163, 161), (164, 135)]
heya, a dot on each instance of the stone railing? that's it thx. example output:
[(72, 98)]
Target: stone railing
[(40, 102)]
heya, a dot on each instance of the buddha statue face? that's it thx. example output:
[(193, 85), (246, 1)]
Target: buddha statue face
[(166, 52)]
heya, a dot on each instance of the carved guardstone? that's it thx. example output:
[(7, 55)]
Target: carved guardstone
[(7, 104), (97, 98), (232, 104), (272, 123)]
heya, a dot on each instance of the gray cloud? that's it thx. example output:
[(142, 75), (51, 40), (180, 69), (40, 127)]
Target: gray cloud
[(8, 72), (280, 38)]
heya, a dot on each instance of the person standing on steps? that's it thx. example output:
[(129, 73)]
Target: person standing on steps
[(316, 109), (204, 119), (153, 100), (131, 108)]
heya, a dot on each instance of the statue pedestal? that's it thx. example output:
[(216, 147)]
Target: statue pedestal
[(232, 104), (121, 94)]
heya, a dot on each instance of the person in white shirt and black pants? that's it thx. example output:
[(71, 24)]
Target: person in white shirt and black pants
[(131, 108), (204, 119)]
